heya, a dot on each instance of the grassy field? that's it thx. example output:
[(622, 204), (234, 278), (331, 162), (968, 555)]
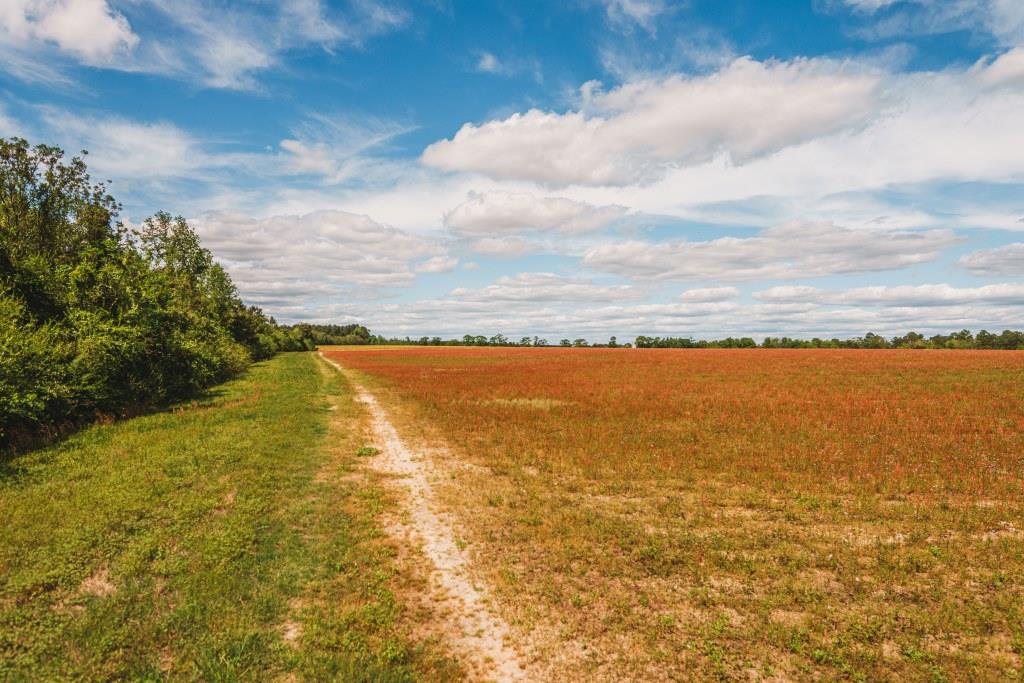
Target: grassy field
[(224, 539), (736, 515)]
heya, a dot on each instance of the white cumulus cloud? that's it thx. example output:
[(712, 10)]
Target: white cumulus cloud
[(788, 251), (709, 294), (318, 255), (635, 132), (544, 287), (1004, 261), (1006, 69), (89, 30), (498, 212), (897, 295), (438, 264), (505, 247)]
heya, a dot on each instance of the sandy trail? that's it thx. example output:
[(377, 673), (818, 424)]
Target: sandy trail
[(475, 632)]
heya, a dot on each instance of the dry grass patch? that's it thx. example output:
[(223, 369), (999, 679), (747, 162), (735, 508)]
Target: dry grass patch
[(529, 403), (98, 584)]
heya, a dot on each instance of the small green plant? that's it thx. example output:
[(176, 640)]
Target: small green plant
[(1017, 643), (367, 452)]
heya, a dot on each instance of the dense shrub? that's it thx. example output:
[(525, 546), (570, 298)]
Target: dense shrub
[(337, 335), (97, 319)]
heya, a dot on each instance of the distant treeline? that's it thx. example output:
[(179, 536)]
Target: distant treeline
[(480, 340), (344, 335), (1006, 340), (466, 340), (965, 339), (98, 319)]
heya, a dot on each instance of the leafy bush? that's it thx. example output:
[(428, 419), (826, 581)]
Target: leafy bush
[(97, 319)]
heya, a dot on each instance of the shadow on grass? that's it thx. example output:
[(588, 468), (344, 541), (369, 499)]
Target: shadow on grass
[(24, 443)]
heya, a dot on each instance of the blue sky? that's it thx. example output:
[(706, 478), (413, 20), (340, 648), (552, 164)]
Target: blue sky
[(586, 168)]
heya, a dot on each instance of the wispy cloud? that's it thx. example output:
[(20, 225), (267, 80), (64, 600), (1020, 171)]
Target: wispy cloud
[(206, 44), (627, 14), (1003, 20), (488, 63), (336, 148)]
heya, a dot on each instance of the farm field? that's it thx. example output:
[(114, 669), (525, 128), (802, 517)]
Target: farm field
[(733, 514)]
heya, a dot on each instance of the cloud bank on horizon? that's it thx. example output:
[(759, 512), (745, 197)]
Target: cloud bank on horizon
[(605, 167)]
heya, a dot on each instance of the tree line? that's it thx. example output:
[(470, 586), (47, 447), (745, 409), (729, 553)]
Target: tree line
[(96, 318), (1007, 340), (332, 335)]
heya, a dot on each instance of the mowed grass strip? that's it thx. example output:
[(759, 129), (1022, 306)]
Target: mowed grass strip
[(220, 540), (737, 515)]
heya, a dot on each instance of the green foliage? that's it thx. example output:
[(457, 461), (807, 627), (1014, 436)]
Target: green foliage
[(643, 342), (96, 319), (333, 335)]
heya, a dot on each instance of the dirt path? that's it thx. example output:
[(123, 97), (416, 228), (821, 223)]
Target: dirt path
[(477, 634)]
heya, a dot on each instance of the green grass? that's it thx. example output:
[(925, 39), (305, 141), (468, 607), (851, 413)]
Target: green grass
[(220, 540)]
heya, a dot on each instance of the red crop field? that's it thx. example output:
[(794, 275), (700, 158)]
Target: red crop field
[(864, 420), (736, 513)]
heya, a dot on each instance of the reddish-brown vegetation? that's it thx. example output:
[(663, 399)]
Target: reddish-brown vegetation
[(892, 421), (733, 514)]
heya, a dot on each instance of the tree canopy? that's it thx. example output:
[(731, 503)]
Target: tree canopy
[(99, 319)]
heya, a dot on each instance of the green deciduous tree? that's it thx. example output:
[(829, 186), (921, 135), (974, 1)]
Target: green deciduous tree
[(96, 319)]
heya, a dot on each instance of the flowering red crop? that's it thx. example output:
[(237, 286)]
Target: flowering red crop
[(886, 420), (692, 514)]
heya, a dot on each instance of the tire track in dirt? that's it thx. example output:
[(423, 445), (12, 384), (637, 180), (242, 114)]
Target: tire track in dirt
[(475, 632)]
